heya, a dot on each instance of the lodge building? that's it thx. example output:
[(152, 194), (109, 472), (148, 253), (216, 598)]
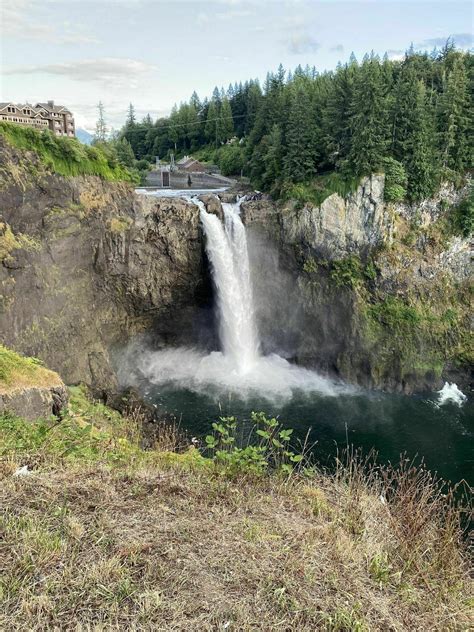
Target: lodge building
[(57, 118)]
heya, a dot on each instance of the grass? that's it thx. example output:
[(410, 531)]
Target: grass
[(66, 156), (320, 188), (175, 541), (18, 372)]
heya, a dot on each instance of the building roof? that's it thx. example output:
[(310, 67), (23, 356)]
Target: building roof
[(50, 107), (47, 107)]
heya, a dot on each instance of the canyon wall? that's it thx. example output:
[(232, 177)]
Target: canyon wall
[(86, 264), (376, 293)]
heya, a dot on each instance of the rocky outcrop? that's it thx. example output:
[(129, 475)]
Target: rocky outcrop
[(341, 226), (86, 264), (377, 294), (34, 402)]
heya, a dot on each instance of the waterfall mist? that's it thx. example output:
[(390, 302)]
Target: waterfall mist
[(240, 366)]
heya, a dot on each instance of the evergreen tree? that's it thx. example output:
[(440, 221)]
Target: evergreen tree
[(412, 142), (368, 119), (336, 117), (226, 122), (131, 120), (100, 135), (455, 118), (125, 153), (300, 158), (212, 128)]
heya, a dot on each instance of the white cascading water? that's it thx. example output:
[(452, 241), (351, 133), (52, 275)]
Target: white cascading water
[(238, 367), (228, 253)]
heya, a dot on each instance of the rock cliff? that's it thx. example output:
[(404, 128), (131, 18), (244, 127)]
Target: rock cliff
[(86, 264), (375, 293)]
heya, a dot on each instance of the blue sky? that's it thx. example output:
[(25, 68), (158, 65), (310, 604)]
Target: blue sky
[(156, 52)]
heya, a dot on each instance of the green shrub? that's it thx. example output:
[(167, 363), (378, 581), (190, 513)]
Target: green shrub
[(347, 272), (67, 156), (270, 451), (319, 188), (395, 180), (463, 215)]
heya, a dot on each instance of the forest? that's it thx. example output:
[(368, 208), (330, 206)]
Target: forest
[(411, 118)]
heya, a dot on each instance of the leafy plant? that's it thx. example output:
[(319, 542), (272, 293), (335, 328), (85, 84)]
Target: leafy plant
[(271, 450)]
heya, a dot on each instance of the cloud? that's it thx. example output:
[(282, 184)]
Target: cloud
[(111, 72), (395, 54), (339, 48), (463, 40), (20, 20), (302, 43)]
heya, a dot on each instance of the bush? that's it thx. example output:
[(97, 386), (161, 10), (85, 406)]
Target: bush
[(464, 215), (270, 451), (395, 180), (231, 159), (67, 156)]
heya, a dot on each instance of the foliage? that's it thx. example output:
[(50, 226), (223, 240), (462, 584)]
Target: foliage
[(395, 180), (17, 371), (67, 156), (319, 188), (463, 215), (231, 159), (347, 272), (411, 118), (270, 451), (395, 314)]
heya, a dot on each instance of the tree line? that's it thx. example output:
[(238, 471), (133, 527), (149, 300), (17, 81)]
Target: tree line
[(411, 118)]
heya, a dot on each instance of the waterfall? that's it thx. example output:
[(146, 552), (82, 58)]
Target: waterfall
[(239, 367), (226, 246)]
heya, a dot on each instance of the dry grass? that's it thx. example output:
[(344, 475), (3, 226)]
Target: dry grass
[(175, 549), (167, 541)]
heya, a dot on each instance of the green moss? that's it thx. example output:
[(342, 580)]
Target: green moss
[(395, 314), (119, 224), (66, 156)]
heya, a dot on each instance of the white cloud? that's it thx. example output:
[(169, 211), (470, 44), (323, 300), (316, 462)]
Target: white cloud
[(25, 19), (339, 48), (396, 54), (463, 40), (111, 72), (302, 44)]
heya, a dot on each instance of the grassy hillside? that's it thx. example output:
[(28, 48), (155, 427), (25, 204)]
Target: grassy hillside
[(105, 535), (67, 156), (17, 371)]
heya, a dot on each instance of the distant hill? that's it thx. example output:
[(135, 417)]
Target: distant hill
[(84, 136)]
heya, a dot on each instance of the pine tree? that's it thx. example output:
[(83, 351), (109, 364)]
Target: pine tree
[(211, 127), (455, 119), (131, 120), (412, 143), (336, 117), (300, 158), (226, 123), (368, 120), (100, 135)]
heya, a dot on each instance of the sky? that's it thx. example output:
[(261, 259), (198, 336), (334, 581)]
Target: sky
[(154, 53)]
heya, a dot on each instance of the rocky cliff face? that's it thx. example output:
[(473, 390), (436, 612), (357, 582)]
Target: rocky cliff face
[(373, 292), (377, 294), (86, 264)]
